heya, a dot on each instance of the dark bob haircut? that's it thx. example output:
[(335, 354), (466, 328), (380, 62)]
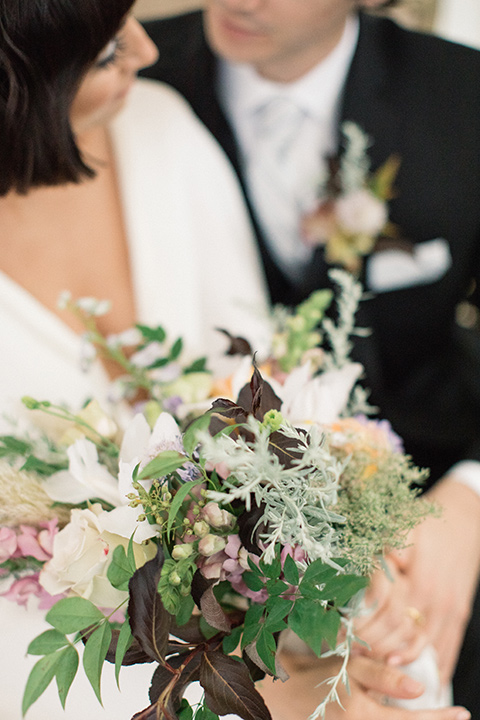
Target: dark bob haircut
[(46, 47)]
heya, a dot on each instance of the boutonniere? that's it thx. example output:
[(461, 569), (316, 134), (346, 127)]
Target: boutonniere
[(351, 216)]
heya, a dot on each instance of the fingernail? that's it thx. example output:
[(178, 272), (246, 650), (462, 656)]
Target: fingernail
[(394, 660), (463, 714), (413, 686)]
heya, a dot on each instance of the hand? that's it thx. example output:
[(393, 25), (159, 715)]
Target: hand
[(370, 681), (442, 567), (389, 626)]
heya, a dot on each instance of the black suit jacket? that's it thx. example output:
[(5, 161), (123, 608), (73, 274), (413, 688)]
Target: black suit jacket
[(418, 96)]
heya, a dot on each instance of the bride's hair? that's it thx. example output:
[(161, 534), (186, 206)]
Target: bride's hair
[(46, 47)]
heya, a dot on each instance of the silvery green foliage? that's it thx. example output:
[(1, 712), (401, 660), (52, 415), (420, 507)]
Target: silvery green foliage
[(339, 333), (355, 163), (297, 499)]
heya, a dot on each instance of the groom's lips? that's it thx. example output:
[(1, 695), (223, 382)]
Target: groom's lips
[(239, 31)]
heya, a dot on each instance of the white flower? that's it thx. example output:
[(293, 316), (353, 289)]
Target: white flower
[(93, 306), (127, 338), (82, 553), (139, 446), (318, 399), (361, 212), (85, 479), (148, 355)]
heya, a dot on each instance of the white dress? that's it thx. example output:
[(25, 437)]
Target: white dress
[(194, 267)]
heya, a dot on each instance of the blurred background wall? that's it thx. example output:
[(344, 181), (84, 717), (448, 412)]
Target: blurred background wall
[(457, 20)]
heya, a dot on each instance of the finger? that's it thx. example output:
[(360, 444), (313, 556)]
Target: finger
[(408, 641), (383, 679), (410, 652)]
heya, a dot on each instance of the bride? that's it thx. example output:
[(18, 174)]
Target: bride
[(109, 188)]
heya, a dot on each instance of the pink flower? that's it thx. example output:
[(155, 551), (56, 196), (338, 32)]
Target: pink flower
[(296, 553), (21, 590), (8, 543), (37, 544)]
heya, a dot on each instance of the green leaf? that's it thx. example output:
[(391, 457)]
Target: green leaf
[(10, 445), (70, 615), (190, 437), (276, 587), (318, 573), (47, 643), (313, 623), (66, 672), (290, 571), (252, 620), (33, 464), (277, 609), (124, 641), (96, 649), (271, 570), (152, 334), (40, 678), (177, 501), (164, 464), (176, 349), (185, 711), (120, 569), (199, 365), (185, 610), (230, 642), (252, 581), (204, 713), (267, 648)]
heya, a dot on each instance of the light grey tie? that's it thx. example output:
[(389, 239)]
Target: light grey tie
[(272, 170)]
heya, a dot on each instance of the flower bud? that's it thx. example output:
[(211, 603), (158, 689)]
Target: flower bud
[(174, 578), (216, 517), (211, 544), (182, 551), (201, 528)]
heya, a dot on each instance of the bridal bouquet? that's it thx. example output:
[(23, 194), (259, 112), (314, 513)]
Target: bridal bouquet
[(211, 522)]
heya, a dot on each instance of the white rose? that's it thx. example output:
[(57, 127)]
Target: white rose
[(361, 212), (82, 553)]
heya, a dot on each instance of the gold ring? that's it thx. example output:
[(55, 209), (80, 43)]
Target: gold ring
[(415, 614)]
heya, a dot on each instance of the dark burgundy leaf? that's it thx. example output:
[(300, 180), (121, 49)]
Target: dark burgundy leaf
[(190, 632), (134, 655), (150, 713), (256, 673), (200, 585), (285, 448), (238, 345), (229, 689), (202, 593), (154, 712), (162, 677), (258, 397), (149, 620), (249, 528)]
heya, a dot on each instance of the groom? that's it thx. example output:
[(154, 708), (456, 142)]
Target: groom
[(416, 97)]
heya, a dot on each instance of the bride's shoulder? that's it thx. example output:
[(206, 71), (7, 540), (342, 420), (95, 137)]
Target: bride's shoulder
[(157, 103)]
